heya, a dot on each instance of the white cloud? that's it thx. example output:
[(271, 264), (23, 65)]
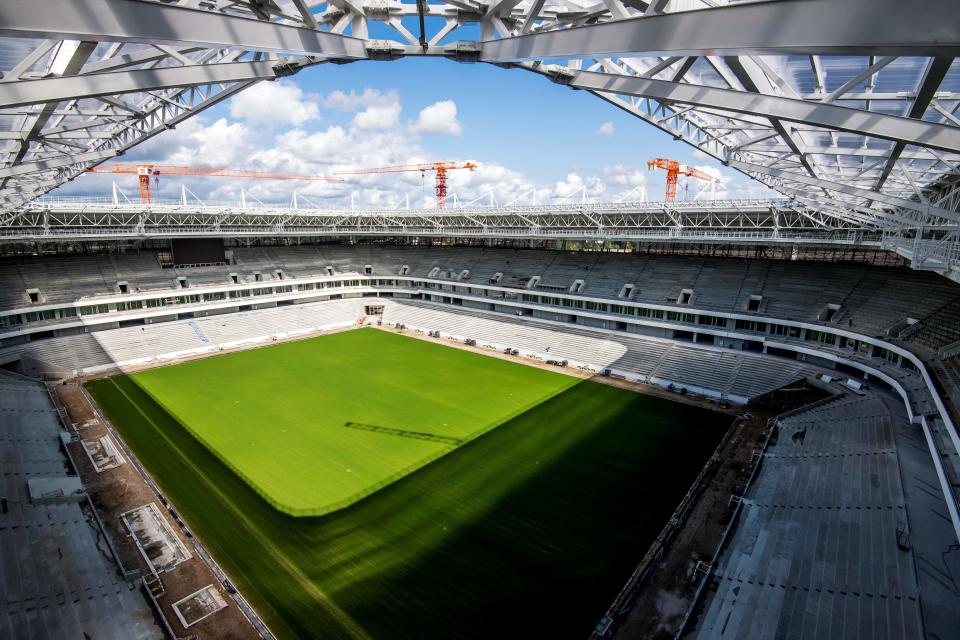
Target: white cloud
[(367, 138), (699, 154), (625, 181), (731, 186), (221, 144), (354, 101), (621, 175), (565, 189), (163, 146), (571, 185), (300, 149), (384, 116), (697, 189), (712, 171), (504, 184), (606, 129), (273, 104), (440, 117)]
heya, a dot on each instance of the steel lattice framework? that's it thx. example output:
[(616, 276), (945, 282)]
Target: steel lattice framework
[(851, 108), (747, 220), (740, 222)]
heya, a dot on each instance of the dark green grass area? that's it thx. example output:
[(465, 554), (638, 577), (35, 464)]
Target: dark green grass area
[(529, 530)]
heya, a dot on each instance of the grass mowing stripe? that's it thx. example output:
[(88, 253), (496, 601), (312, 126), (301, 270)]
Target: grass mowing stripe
[(321, 598)]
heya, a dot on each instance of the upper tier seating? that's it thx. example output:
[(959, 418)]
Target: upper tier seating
[(939, 329), (870, 299)]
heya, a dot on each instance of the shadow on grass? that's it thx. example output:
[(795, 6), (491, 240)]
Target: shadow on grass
[(529, 530), (404, 433)]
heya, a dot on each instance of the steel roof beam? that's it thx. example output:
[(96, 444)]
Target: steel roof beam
[(56, 163), (866, 74), (73, 164), (153, 23), (23, 92), (867, 194), (75, 59), (147, 56), (787, 27), (63, 135), (864, 215), (749, 79), (845, 151), (918, 132), (934, 75)]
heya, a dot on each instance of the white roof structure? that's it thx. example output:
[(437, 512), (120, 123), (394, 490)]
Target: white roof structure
[(850, 108)]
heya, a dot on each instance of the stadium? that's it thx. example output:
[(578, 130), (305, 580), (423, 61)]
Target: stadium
[(328, 410)]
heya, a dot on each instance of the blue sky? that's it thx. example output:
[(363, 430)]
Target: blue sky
[(527, 133), (509, 116)]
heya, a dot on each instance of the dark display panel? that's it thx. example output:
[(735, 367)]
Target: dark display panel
[(197, 251)]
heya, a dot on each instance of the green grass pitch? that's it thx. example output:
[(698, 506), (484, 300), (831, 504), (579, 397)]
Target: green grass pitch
[(528, 529), (343, 416)]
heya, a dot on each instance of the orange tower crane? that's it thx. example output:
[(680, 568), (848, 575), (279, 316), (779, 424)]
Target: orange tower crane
[(674, 169), (440, 168), (145, 171)]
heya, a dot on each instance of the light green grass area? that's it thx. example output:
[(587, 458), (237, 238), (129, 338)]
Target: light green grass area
[(315, 425)]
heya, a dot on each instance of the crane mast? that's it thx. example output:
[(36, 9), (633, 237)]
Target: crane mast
[(440, 168), (674, 169)]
